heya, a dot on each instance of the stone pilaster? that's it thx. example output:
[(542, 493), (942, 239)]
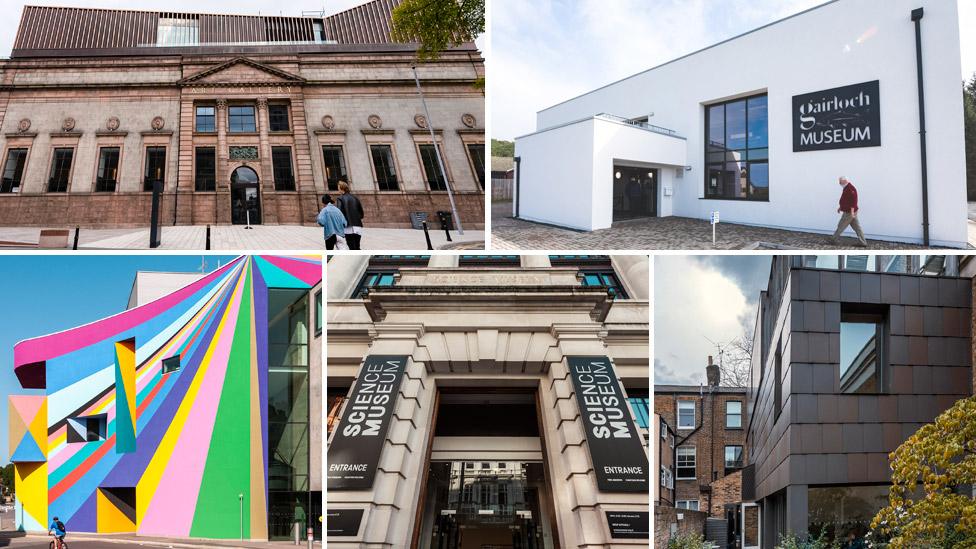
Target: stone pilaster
[(223, 176), (184, 175), (269, 206)]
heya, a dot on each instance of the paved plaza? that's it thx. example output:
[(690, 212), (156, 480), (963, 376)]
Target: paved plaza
[(236, 237), (661, 233)]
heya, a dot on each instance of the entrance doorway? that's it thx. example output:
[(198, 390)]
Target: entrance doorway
[(486, 483), (245, 198), (634, 192), (751, 526)]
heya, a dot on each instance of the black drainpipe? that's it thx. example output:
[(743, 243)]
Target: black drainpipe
[(917, 18), (518, 177)]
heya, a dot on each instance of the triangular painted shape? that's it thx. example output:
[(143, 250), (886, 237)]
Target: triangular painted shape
[(275, 277), (28, 451), (307, 271), (27, 406)]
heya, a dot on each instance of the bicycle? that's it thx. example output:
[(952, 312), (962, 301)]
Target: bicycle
[(58, 543)]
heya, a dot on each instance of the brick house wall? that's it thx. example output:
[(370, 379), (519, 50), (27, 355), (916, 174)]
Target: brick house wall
[(690, 523), (725, 490)]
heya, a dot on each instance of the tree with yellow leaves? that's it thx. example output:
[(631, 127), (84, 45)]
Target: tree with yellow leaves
[(927, 506)]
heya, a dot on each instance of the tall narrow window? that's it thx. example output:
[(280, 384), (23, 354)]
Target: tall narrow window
[(385, 167), (278, 117), (13, 170), (319, 29), (477, 153), (281, 162), (737, 150), (733, 414), (240, 119), (155, 167), (685, 462), (335, 166), (686, 414), (733, 458), (432, 170), (861, 352), (205, 166), (778, 380), (60, 170), (108, 170), (206, 118)]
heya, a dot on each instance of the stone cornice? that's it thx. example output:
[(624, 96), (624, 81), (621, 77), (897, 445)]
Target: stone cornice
[(286, 77)]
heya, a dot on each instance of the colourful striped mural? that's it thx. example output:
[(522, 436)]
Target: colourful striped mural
[(154, 420)]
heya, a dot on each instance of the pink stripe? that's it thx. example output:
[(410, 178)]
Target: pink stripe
[(49, 346), (170, 512), (309, 273)]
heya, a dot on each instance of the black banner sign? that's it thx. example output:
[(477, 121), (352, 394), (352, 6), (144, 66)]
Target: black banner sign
[(841, 118), (629, 525), (343, 522), (615, 445), (355, 449)]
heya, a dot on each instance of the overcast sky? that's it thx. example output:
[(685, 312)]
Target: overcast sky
[(697, 299), (548, 51)]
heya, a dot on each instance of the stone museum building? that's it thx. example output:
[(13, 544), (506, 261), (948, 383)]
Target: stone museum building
[(232, 119), (488, 401)]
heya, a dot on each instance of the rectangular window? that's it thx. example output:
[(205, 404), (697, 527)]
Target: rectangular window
[(108, 170), (686, 414), (733, 458), (664, 430), (319, 30), (13, 170), (689, 504), (182, 31), (284, 179), (778, 380), (205, 166), (278, 117), (87, 428), (318, 312), (240, 119), (861, 263), (685, 462), (206, 119), (640, 406), (171, 364), (60, 170), (374, 279), (843, 514), (737, 150), (861, 352), (733, 414), (607, 279), (335, 166), (477, 153), (155, 167), (386, 175), (432, 171)]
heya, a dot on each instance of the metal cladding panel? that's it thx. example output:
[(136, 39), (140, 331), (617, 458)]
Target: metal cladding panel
[(43, 27)]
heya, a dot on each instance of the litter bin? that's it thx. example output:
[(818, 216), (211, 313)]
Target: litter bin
[(447, 222), (417, 219)]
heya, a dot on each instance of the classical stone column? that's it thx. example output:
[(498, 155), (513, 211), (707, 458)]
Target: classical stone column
[(269, 203), (222, 198)]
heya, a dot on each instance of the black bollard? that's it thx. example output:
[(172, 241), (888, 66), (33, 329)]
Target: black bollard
[(448, 234), (208, 237), (77, 230), (427, 236)]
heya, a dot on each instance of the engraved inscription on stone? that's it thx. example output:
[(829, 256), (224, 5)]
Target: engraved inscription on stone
[(494, 278), (243, 153)]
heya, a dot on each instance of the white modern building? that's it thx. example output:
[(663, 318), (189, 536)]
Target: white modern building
[(761, 126)]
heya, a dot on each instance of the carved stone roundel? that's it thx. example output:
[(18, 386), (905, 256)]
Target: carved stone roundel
[(68, 124), (328, 122), (421, 121), (112, 124), (375, 122), (158, 123), (24, 125), (468, 120)]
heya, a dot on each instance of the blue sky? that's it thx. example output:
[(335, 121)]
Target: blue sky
[(543, 52), (41, 294)]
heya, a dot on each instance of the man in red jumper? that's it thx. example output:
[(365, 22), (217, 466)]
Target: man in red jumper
[(848, 211)]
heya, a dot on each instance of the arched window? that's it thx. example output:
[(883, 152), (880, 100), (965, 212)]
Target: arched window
[(244, 176)]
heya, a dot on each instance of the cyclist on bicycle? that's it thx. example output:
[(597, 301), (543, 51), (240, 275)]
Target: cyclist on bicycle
[(58, 530)]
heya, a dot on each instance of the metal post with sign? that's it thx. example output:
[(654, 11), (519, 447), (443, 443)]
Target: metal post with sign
[(157, 194), (714, 224)]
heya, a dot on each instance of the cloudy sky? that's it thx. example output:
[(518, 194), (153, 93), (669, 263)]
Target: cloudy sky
[(553, 50), (697, 299)]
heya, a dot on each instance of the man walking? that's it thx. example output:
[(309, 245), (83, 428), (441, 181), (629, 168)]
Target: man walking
[(848, 210), (350, 207)]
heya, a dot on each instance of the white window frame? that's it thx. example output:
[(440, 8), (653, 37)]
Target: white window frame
[(694, 414), (686, 504), (694, 455), (739, 402)]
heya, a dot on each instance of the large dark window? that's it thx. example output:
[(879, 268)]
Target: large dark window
[(87, 428), (477, 153), (385, 167), (60, 170), (737, 150), (205, 165), (861, 351), (733, 458), (844, 514), (108, 170), (432, 171), (240, 119), (281, 162), (155, 167), (13, 170), (206, 119), (335, 166), (278, 117)]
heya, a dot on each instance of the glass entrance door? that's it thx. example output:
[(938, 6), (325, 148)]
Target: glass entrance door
[(486, 505), (245, 201), (634, 192)]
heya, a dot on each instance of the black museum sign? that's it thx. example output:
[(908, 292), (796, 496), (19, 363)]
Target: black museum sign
[(840, 118)]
